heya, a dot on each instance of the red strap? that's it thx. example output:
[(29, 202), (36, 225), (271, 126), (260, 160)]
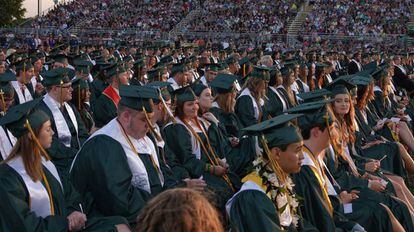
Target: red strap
[(112, 94)]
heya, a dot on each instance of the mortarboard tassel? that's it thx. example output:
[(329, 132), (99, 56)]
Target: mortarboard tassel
[(3, 102)]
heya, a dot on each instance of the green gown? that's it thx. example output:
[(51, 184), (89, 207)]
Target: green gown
[(186, 165), (273, 105), (61, 155), (104, 179), (252, 210), (16, 203), (97, 87), (245, 111), (104, 110)]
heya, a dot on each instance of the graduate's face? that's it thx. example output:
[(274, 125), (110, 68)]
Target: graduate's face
[(137, 124), (63, 93), (206, 99), (124, 78), (45, 134), (342, 104), (291, 159), (190, 109)]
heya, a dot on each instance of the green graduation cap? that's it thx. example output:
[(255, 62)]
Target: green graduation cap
[(79, 83), (370, 66), (340, 86), (277, 131), (17, 117), (212, 67), (198, 88), (321, 65), (260, 72), (56, 76), (128, 58), (137, 97), (139, 63), (231, 60), (23, 65), (179, 68), (314, 113), (5, 86), (158, 84), (184, 94), (155, 74), (360, 80), (115, 69), (83, 66), (316, 95), (61, 58), (224, 83)]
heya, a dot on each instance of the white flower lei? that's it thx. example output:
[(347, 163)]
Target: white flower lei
[(281, 194)]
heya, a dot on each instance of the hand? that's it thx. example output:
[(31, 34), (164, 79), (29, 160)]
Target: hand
[(372, 166), (234, 141), (376, 185), (348, 197), (39, 88), (195, 184), (219, 170), (223, 163), (211, 118), (380, 125), (76, 221)]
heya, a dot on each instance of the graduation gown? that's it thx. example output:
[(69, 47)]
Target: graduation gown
[(189, 160), (251, 209), (130, 180), (401, 78), (97, 87), (248, 109), (61, 154), (275, 104), (18, 203), (354, 67), (7, 141), (106, 106)]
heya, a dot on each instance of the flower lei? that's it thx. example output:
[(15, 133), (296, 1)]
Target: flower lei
[(281, 194)]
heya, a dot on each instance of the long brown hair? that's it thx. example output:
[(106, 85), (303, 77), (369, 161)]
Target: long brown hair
[(347, 125), (257, 88), (30, 153), (226, 101), (179, 209)]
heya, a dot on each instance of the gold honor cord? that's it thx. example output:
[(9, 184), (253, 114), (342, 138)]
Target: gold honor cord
[(42, 150), (274, 164), (79, 98), (151, 127), (3, 102), (213, 160), (244, 70), (131, 145), (319, 178)]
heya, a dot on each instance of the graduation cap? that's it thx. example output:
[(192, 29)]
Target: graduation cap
[(379, 73), (158, 84), (82, 66), (277, 131), (79, 83), (137, 97), (198, 88), (230, 60), (23, 65), (321, 65), (184, 94), (212, 67), (22, 118), (178, 68), (57, 76), (316, 95), (5, 86), (139, 63), (61, 58), (225, 83), (340, 86), (115, 69), (314, 113), (360, 80), (260, 72)]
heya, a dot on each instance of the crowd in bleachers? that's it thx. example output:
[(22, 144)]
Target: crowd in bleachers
[(357, 17), (245, 16)]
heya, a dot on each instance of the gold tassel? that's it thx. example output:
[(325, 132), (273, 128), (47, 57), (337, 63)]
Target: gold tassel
[(3, 102), (61, 94), (151, 127), (274, 164), (244, 70)]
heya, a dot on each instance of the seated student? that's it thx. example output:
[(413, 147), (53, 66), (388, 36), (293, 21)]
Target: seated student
[(311, 183), (7, 140), (316, 182), (276, 103), (240, 148), (266, 201), (39, 197), (121, 152), (249, 104), (105, 107), (181, 210), (80, 99), (192, 154)]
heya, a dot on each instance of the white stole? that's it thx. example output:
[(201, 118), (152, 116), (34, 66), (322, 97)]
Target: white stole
[(284, 104), (143, 146), (23, 97), (5, 145), (39, 197), (61, 126)]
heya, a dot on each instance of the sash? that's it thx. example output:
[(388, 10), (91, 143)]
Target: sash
[(23, 97), (257, 110), (310, 161), (145, 146), (111, 93), (284, 104), (40, 202), (62, 127), (358, 64), (7, 141)]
